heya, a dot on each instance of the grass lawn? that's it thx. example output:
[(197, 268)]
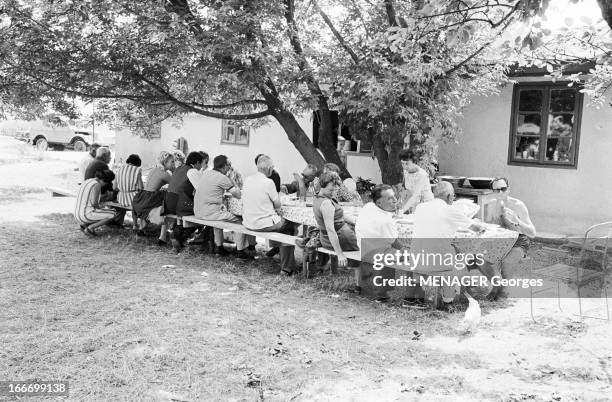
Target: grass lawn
[(122, 319)]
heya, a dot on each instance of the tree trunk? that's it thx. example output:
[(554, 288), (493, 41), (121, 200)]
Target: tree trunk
[(299, 139), (606, 11), (326, 140), (387, 156)]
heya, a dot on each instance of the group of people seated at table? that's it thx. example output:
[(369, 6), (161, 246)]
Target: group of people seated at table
[(186, 186)]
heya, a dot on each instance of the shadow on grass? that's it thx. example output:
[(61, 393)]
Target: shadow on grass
[(262, 269), (121, 318)]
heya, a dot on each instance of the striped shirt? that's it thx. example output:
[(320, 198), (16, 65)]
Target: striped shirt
[(87, 199), (129, 182)]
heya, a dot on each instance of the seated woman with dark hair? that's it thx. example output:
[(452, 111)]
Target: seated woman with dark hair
[(87, 210), (335, 232), (179, 196)]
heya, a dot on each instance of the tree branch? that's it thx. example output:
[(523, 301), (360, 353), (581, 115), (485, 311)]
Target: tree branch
[(337, 34), (233, 104), (391, 17), (507, 21)]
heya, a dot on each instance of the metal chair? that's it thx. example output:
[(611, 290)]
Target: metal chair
[(596, 241)]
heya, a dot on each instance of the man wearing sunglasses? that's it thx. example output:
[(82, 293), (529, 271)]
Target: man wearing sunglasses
[(511, 213)]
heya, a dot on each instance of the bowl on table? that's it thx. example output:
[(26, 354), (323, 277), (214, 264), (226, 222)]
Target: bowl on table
[(480, 182), (456, 181)]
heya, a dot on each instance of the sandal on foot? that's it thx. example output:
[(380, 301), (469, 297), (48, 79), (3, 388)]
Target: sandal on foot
[(90, 232)]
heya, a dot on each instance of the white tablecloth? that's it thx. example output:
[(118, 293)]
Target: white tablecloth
[(496, 241)]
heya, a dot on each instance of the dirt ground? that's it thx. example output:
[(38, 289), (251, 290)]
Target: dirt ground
[(122, 319)]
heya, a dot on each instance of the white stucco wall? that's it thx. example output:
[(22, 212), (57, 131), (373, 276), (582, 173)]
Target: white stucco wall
[(126, 143), (562, 201), (364, 166), (204, 134)]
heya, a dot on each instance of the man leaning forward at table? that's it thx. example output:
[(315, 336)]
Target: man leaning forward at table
[(435, 225), (260, 210), (208, 204)]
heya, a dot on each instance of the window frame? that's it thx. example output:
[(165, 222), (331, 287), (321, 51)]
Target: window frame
[(237, 128), (547, 87)]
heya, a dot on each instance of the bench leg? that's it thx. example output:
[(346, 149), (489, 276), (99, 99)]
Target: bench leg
[(531, 303), (333, 265)]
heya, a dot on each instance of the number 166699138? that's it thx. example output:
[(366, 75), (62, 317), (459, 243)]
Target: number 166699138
[(33, 388)]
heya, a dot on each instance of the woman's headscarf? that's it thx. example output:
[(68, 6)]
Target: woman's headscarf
[(163, 158)]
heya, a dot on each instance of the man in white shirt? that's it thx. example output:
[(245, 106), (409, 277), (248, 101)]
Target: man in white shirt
[(375, 221), (416, 182), (260, 210), (435, 225), (376, 233)]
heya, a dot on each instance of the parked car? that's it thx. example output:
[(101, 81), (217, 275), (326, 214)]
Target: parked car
[(57, 137)]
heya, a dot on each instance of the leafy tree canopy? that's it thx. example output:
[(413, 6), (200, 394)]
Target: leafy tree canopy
[(399, 71)]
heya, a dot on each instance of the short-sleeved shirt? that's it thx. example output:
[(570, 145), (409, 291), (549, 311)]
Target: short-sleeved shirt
[(418, 187), (157, 178), (209, 190), (258, 196), (375, 223), (87, 199), (128, 182), (435, 225)]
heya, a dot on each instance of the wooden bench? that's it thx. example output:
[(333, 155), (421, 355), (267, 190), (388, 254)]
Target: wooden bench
[(351, 255), (237, 227), (281, 238), (274, 236), (60, 192), (117, 205)]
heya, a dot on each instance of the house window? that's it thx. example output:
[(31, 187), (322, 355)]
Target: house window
[(155, 131), (232, 133), (545, 126)]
